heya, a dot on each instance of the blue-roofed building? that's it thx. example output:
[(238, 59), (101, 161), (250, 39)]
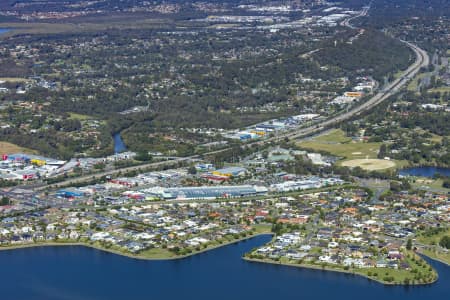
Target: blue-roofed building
[(69, 193)]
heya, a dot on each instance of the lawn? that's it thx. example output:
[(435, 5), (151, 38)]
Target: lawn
[(8, 148), (333, 136), (262, 228), (412, 86), (79, 116), (336, 143), (442, 89), (156, 253), (13, 79), (430, 184), (354, 153), (432, 239), (438, 255)]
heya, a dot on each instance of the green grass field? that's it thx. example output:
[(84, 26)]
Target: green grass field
[(8, 148), (156, 253), (336, 143), (442, 89), (262, 228), (333, 136), (14, 79), (438, 255), (432, 239), (79, 116), (430, 184), (412, 86), (354, 153)]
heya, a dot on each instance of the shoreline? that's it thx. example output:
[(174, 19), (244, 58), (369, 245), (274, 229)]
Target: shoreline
[(338, 270), (128, 255), (434, 258)]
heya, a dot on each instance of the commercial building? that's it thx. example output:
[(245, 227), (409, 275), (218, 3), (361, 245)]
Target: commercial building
[(206, 192), (230, 172)]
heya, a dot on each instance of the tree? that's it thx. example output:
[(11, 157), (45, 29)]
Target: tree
[(192, 170), (446, 183), (383, 151), (143, 156), (445, 242), (409, 244), (4, 201)]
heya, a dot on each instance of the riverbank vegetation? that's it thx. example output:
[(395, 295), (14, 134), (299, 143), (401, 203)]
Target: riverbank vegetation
[(418, 273)]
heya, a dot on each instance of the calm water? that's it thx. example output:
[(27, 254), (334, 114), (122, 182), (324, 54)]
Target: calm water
[(82, 273), (4, 30), (119, 145), (425, 171)]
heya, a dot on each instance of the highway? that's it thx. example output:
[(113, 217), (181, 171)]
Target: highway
[(422, 60), (87, 178)]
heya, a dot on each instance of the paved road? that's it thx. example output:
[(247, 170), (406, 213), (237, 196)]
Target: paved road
[(422, 60), (87, 178)]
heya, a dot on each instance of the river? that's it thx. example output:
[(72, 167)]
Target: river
[(76, 272), (424, 171), (4, 30), (119, 145)]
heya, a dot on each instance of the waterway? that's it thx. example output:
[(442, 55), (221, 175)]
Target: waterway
[(119, 145), (4, 30), (76, 272), (425, 171)]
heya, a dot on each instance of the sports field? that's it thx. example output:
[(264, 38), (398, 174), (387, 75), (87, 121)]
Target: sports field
[(369, 164), (353, 153), (336, 143)]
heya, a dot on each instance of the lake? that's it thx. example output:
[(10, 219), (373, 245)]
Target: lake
[(76, 272), (424, 171), (119, 145)]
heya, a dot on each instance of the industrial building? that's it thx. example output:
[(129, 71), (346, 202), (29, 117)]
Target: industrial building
[(230, 172), (206, 192)]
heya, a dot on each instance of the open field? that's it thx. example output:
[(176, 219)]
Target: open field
[(354, 153), (437, 255), (80, 117), (433, 250), (13, 79), (333, 136), (336, 143), (432, 239), (444, 89), (157, 253), (369, 164), (430, 184), (6, 147), (412, 86)]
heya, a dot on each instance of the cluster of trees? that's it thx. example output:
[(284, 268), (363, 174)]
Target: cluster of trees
[(373, 52), (4, 201), (445, 242)]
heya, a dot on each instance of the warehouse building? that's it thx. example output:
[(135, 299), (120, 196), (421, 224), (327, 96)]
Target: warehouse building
[(206, 192)]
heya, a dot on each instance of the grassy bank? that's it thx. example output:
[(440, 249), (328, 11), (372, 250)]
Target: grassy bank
[(386, 276), (149, 254)]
